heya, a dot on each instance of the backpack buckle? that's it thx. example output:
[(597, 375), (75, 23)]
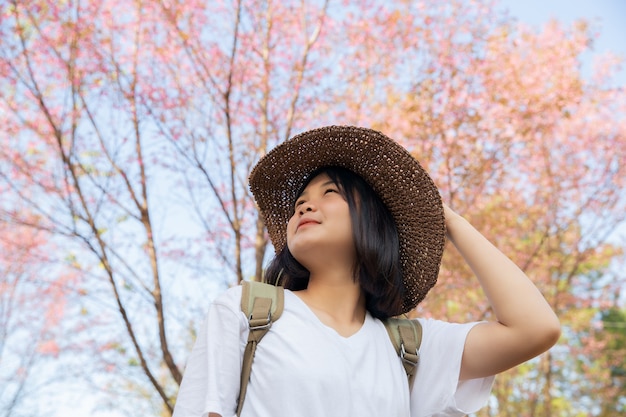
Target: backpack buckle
[(260, 324), (407, 357)]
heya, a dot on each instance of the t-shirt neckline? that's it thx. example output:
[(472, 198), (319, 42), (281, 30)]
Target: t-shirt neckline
[(316, 319)]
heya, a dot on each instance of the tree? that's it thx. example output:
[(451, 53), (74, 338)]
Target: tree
[(250, 85), (131, 138), (76, 179), (609, 341), (32, 305)]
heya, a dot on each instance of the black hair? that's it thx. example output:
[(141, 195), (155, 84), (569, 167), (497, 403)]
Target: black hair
[(377, 266)]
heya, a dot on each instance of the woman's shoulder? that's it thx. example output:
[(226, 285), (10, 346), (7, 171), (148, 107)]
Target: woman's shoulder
[(436, 325), (225, 312), (229, 299), (440, 336)]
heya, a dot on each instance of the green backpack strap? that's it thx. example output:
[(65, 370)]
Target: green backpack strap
[(262, 304), (406, 336)]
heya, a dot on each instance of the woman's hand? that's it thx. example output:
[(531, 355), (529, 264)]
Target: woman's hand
[(450, 216)]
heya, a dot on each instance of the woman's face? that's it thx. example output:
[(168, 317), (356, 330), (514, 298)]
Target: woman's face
[(321, 227)]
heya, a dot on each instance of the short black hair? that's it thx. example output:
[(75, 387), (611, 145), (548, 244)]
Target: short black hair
[(377, 266)]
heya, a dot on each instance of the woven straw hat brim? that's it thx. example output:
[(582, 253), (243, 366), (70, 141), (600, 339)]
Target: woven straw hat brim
[(399, 180)]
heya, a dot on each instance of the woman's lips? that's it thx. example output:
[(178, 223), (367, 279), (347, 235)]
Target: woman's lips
[(305, 222)]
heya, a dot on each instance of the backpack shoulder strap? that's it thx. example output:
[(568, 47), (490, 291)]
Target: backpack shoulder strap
[(262, 304), (406, 337)]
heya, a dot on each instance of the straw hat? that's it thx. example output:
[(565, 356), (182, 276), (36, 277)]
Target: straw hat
[(399, 180)]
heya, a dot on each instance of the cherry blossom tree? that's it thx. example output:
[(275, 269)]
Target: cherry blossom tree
[(130, 138), (33, 302)]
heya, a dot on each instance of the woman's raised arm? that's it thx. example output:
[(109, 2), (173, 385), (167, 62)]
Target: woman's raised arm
[(526, 326)]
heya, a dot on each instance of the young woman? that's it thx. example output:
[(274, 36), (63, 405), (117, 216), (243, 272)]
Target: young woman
[(359, 228)]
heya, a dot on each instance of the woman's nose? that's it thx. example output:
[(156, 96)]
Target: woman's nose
[(304, 207)]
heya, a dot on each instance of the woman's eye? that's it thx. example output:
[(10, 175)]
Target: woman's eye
[(331, 190)]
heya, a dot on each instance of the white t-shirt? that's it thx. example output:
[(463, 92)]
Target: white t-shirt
[(305, 368)]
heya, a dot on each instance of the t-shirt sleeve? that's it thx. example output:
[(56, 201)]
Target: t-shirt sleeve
[(437, 391), (211, 379)]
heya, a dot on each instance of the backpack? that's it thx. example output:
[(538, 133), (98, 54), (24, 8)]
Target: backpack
[(263, 304)]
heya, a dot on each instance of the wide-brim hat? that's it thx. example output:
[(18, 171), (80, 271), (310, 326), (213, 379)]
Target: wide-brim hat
[(395, 175)]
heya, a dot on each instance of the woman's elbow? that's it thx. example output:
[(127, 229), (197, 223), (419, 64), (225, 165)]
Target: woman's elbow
[(547, 333)]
